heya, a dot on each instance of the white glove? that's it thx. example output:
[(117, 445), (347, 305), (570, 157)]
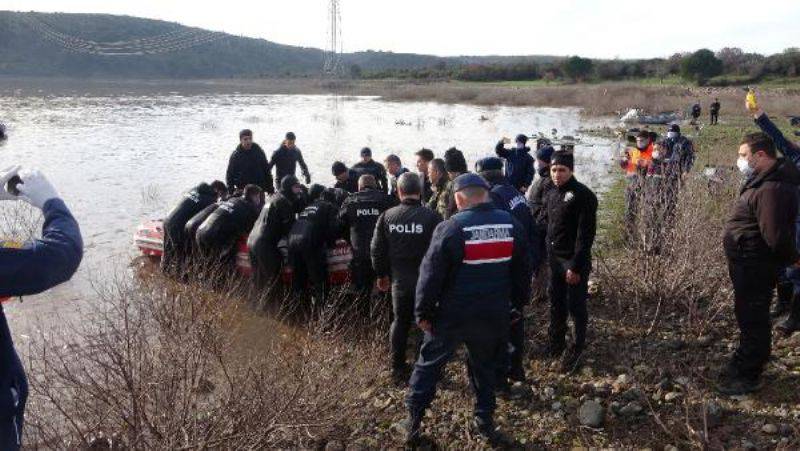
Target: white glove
[(36, 189), (6, 175)]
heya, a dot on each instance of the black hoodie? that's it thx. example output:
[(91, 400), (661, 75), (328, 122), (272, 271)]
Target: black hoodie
[(762, 225)]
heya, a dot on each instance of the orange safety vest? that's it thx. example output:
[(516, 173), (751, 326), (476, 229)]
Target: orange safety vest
[(639, 160)]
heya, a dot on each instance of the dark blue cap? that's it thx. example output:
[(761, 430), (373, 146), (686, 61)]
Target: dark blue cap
[(545, 153), (366, 152), (469, 180), (489, 164)]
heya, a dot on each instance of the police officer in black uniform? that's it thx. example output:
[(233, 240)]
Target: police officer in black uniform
[(359, 213), (346, 179), (507, 197), (401, 238), (572, 225), (192, 202), (315, 230), (218, 234), (476, 270), (273, 224)]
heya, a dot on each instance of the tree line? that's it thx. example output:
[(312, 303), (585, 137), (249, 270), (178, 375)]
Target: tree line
[(728, 66)]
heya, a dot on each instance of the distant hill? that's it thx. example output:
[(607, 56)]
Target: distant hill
[(100, 45)]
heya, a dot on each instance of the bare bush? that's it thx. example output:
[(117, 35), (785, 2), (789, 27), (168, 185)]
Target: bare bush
[(671, 262), (162, 365)]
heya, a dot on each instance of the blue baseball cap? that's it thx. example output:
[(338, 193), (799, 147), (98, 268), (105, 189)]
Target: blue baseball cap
[(469, 180)]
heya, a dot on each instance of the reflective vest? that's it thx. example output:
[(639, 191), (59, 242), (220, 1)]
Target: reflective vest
[(639, 161)]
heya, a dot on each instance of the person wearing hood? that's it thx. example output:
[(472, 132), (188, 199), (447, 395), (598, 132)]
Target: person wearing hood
[(679, 156), (437, 173), (286, 159), (315, 230), (759, 239), (192, 202), (217, 236), (788, 293), (358, 215), (519, 162), (248, 166), (273, 225), (346, 179), (714, 108), (26, 269), (369, 166), (506, 197), (571, 230), (455, 164), (402, 235)]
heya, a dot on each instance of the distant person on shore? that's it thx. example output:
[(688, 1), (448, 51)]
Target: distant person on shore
[(248, 165), (438, 177), (786, 302), (395, 169), (696, 112), (424, 157), (2, 131), (369, 166), (759, 240), (346, 178), (286, 159), (571, 229), (714, 109), (519, 162), (455, 164), (27, 269)]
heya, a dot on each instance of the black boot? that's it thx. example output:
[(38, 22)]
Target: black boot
[(410, 429), (791, 324), (781, 307)]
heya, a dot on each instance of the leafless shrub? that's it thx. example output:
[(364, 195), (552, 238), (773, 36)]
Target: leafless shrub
[(671, 262), (164, 365), (19, 221)]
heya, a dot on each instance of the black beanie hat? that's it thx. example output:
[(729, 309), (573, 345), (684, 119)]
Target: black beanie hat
[(454, 161), (522, 139), (315, 191), (561, 158), (245, 132), (338, 168), (290, 136)]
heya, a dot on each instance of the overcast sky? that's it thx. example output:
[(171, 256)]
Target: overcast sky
[(602, 29)]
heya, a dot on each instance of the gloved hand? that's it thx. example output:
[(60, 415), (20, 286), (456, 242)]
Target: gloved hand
[(308, 178), (6, 175), (36, 189)]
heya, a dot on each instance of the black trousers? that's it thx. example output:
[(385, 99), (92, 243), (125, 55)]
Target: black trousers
[(309, 264), (714, 117), (362, 275), (266, 265), (403, 312), (565, 301), (753, 283)]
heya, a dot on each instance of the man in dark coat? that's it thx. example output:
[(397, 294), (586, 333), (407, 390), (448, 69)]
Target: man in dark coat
[(369, 166), (759, 240), (358, 215), (286, 159), (273, 224), (571, 229), (402, 236), (248, 166), (519, 163), (476, 270), (346, 179)]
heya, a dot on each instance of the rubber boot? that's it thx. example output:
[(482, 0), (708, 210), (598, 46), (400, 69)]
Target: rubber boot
[(410, 429), (791, 324), (781, 307)]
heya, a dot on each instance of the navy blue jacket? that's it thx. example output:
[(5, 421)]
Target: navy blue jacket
[(35, 267), (519, 165), (505, 197), (477, 265)]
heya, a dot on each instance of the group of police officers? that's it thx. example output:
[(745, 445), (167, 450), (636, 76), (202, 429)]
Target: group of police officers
[(457, 249)]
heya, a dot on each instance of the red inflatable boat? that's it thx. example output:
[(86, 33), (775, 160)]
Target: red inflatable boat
[(149, 239)]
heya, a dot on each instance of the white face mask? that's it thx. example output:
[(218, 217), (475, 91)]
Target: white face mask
[(673, 135), (520, 145), (656, 155), (744, 167)]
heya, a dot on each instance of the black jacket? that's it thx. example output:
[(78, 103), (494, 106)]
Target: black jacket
[(393, 181), (376, 170), (316, 227), (190, 229), (762, 225), (401, 238), (247, 167), (192, 202), (227, 223), (536, 195), (273, 224), (572, 225), (285, 161), (359, 213), (351, 184)]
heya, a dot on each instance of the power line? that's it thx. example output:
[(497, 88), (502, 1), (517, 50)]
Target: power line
[(333, 65)]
